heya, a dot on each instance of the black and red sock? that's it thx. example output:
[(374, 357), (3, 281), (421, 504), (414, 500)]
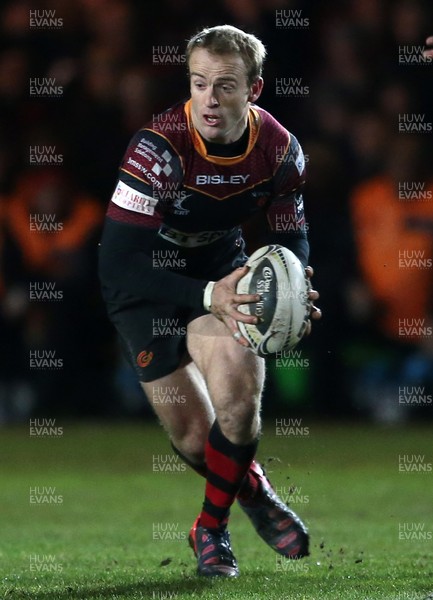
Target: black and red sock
[(227, 465), (249, 483)]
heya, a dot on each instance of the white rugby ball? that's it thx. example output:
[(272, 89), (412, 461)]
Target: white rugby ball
[(284, 308)]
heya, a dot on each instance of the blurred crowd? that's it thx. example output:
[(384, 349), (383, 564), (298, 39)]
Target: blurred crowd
[(78, 78)]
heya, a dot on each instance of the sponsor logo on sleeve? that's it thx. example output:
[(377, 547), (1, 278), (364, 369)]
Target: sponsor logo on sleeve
[(126, 197)]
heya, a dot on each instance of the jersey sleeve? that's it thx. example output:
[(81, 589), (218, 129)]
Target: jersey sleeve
[(127, 272), (150, 172), (285, 213)]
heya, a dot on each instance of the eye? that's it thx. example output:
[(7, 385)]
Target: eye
[(199, 85)]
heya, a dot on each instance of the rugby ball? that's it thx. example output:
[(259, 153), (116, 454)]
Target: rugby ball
[(284, 308)]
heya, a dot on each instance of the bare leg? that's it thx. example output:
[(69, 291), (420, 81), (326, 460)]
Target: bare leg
[(234, 378), (188, 423)]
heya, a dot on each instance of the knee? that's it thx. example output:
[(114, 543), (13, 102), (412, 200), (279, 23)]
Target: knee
[(237, 404), (239, 419)]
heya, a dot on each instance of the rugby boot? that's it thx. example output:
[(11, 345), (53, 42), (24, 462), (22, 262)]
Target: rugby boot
[(275, 523), (213, 551)]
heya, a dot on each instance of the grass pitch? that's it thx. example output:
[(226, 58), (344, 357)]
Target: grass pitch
[(102, 512)]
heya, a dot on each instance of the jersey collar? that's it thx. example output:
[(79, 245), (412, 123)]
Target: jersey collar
[(199, 145)]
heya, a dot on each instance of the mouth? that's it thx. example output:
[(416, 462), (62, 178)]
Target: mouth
[(212, 120)]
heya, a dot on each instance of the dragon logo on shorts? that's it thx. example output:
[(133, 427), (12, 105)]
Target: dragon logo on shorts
[(144, 358)]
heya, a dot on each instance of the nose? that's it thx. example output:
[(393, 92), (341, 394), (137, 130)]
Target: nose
[(211, 97)]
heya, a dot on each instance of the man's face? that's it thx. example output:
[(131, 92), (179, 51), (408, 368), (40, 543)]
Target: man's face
[(220, 95)]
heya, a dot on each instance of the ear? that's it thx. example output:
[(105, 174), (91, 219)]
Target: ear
[(255, 89)]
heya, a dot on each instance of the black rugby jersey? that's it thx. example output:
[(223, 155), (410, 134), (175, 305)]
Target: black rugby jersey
[(172, 189)]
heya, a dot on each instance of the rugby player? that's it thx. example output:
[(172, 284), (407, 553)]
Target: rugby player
[(172, 252)]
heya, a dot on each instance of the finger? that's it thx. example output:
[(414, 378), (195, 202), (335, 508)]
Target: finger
[(428, 53), (237, 336), (309, 271), (246, 298), (313, 295), (237, 315), (238, 274), (235, 333), (229, 311), (316, 313), (308, 328)]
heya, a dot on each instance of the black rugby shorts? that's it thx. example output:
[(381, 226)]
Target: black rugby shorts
[(153, 335)]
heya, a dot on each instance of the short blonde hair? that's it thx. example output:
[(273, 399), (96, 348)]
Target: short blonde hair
[(226, 39)]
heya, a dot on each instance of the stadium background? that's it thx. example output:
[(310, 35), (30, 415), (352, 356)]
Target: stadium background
[(340, 75)]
